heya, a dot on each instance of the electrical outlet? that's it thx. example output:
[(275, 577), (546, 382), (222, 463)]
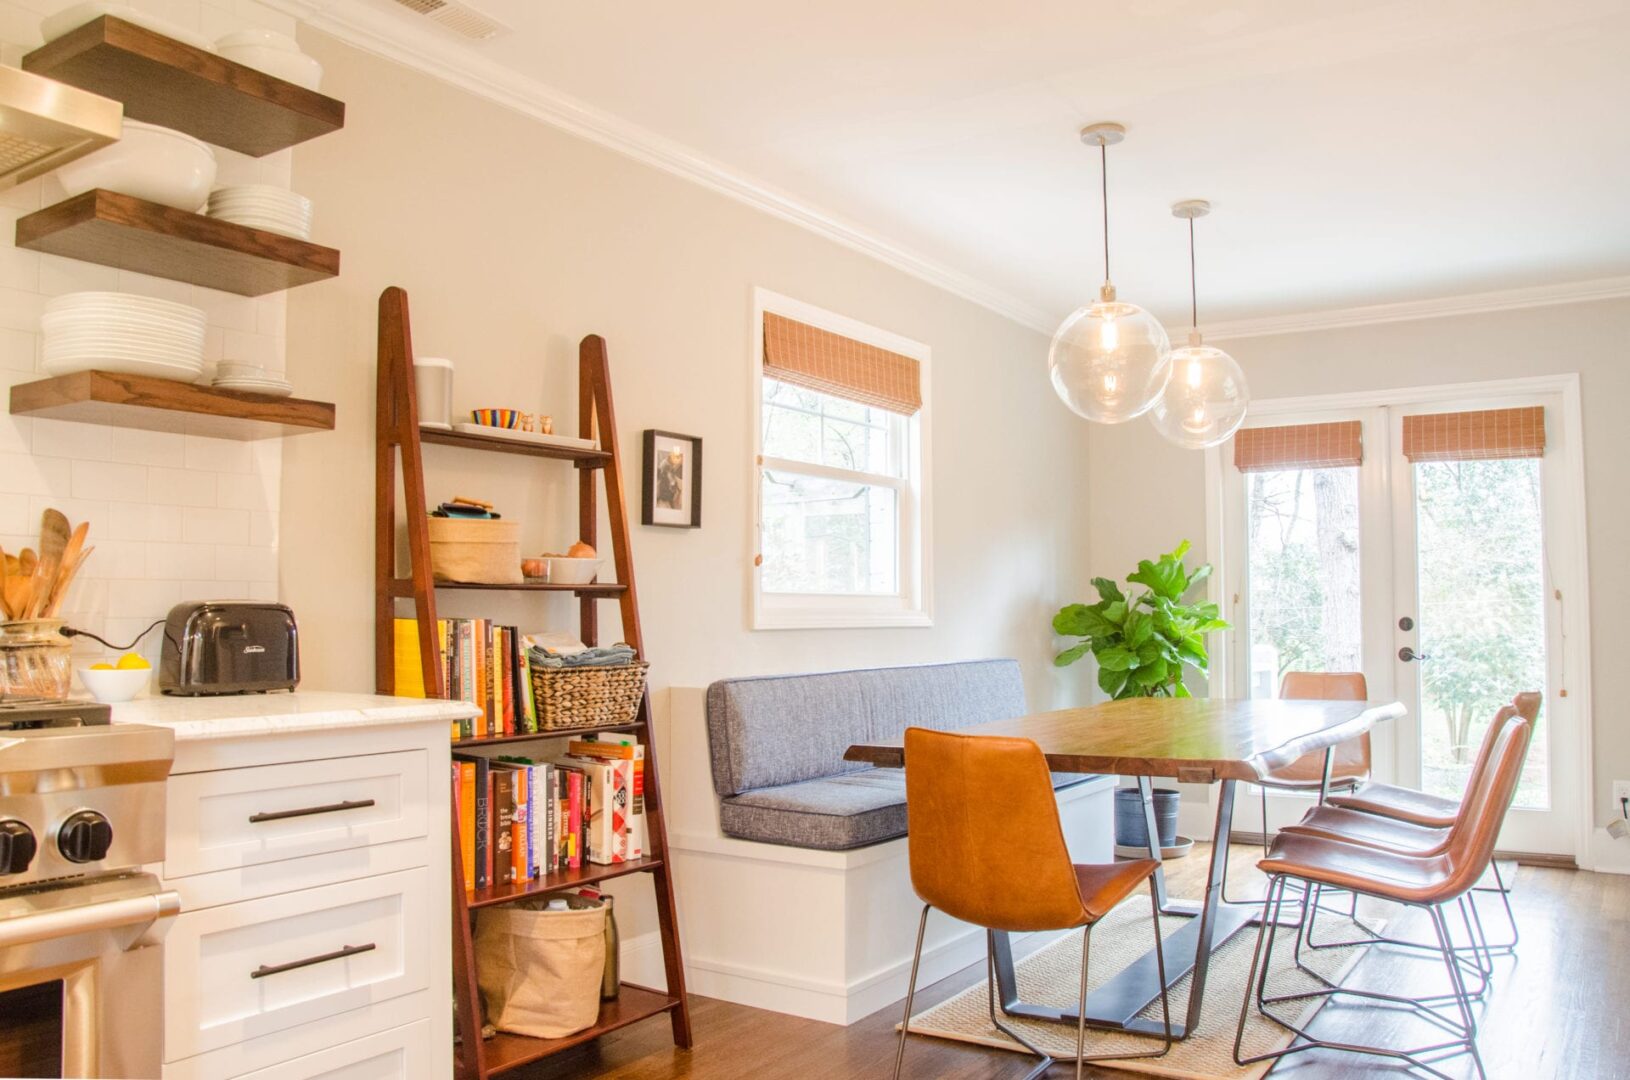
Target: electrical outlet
[(1621, 792)]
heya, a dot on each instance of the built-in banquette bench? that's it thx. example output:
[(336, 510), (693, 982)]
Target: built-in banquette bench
[(791, 863)]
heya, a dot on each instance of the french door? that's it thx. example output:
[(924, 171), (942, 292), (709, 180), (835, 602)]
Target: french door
[(1416, 541)]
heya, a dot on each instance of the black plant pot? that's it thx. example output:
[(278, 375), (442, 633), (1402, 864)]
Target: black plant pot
[(1130, 830)]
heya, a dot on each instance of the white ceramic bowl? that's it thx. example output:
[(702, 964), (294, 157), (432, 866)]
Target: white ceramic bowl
[(564, 571), (73, 18), (256, 35), (149, 162), (118, 685), (294, 67)]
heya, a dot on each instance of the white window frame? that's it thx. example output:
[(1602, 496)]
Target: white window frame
[(912, 604)]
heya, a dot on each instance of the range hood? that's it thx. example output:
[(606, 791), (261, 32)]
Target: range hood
[(45, 123)]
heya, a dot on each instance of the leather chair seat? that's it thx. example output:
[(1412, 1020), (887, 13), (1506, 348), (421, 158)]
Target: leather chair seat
[(1388, 800), (1356, 827), (1404, 878), (1103, 885)]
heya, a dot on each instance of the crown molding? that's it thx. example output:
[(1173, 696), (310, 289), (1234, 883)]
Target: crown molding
[(1575, 292), (386, 35)]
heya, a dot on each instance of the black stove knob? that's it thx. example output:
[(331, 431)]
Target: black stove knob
[(17, 846), (85, 837)]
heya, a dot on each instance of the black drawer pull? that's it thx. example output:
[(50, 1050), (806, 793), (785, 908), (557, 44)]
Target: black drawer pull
[(331, 808), (338, 954)]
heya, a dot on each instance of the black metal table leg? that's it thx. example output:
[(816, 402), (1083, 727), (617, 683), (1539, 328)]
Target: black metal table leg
[(1116, 1004)]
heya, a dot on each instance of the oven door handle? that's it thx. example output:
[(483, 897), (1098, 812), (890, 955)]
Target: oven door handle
[(131, 912)]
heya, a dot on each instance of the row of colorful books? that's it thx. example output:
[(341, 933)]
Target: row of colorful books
[(482, 663), (521, 819)]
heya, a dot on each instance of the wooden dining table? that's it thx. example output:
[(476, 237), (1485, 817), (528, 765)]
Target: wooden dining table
[(1191, 740)]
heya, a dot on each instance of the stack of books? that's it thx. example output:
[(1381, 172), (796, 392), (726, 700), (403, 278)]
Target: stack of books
[(522, 819), (481, 663)]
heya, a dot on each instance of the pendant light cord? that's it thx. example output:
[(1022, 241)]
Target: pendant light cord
[(1194, 291), (1103, 173)]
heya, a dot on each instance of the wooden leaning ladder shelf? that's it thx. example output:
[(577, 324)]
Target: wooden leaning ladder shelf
[(398, 430)]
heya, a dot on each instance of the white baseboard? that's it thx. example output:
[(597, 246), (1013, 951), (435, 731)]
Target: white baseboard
[(641, 961)]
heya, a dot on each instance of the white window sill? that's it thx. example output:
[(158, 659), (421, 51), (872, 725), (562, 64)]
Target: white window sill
[(840, 620)]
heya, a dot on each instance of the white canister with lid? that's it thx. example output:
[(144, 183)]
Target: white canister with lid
[(433, 381)]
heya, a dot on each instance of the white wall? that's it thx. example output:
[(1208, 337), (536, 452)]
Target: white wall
[(171, 516), (1128, 464)]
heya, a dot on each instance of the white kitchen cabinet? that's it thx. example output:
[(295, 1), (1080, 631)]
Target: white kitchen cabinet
[(308, 837)]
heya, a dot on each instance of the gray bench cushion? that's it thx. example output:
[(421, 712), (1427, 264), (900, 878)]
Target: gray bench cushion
[(783, 729), (831, 813)]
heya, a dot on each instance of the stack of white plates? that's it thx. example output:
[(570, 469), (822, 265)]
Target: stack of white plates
[(276, 54), (262, 206), (118, 332), (251, 379)]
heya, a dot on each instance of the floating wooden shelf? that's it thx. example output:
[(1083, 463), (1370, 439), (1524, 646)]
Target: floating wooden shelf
[(563, 879), (534, 736), (139, 401), (164, 81), (134, 234), (585, 459), (403, 587), (505, 1051)]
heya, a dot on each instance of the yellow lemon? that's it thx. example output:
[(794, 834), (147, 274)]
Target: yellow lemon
[(101, 667), (133, 660)]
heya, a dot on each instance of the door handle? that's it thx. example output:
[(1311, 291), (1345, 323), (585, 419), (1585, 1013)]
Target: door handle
[(1406, 654), (338, 954), (308, 811)]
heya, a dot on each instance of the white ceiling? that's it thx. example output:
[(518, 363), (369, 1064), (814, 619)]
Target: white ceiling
[(1355, 152)]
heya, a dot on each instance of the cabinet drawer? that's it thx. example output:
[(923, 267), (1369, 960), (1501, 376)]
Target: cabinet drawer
[(249, 969), (399, 1054), (244, 817)]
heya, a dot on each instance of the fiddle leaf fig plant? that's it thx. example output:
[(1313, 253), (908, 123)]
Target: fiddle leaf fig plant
[(1144, 640)]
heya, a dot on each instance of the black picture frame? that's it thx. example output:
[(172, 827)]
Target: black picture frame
[(670, 500)]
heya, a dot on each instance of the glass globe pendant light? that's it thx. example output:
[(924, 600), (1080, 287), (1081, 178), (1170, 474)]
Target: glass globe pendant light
[(1109, 360), (1204, 401)]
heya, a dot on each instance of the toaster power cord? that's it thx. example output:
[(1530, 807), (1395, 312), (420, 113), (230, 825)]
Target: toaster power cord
[(69, 631)]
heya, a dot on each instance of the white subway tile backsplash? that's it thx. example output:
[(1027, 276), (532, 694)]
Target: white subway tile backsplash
[(217, 455), (181, 487), (205, 525), (64, 438), (110, 480), (148, 447), (30, 474), (170, 516)]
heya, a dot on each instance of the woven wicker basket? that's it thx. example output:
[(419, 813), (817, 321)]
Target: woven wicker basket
[(584, 697)]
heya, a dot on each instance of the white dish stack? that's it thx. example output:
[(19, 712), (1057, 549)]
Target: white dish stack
[(276, 54), (250, 379), (124, 334), (263, 206)]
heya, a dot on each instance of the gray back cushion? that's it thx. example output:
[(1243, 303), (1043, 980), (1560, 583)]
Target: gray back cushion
[(780, 729)]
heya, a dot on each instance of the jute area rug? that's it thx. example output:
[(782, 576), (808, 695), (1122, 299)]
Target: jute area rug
[(1052, 976)]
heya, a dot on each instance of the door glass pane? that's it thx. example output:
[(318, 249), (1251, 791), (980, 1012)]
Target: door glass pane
[(1481, 565), (1303, 567), (829, 536)]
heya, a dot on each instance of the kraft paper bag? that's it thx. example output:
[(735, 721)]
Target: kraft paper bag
[(540, 971)]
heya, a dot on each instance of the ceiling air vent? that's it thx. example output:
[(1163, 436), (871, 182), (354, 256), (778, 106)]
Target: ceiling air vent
[(460, 18)]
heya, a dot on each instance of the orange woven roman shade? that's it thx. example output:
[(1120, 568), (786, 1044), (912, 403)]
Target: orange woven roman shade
[(1475, 436), (1299, 446), (829, 363)]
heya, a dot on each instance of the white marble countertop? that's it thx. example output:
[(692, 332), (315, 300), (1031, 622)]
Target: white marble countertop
[(238, 715)]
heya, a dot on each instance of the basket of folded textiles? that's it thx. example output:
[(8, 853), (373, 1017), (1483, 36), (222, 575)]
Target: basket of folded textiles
[(599, 687)]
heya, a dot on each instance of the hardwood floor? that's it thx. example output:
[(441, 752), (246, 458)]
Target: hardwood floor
[(1558, 1010)]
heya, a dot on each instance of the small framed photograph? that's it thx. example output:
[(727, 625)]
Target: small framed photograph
[(673, 480)]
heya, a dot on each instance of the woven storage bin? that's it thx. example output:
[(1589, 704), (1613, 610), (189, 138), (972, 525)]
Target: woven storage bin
[(588, 696), (480, 551)]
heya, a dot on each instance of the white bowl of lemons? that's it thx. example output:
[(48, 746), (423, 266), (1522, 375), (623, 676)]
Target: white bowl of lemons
[(112, 684)]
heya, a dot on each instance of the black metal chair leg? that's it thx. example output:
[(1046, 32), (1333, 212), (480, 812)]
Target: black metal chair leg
[(911, 990)]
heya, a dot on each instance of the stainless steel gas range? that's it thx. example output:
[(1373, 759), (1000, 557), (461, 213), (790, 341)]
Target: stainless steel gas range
[(81, 813)]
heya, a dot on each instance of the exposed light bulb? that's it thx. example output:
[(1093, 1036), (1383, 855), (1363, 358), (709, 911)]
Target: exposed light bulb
[(1110, 383), (1109, 334), (1196, 374)]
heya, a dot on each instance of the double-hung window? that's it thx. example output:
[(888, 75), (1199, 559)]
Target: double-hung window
[(840, 472)]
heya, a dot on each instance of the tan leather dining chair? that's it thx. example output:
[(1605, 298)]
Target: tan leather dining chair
[(1429, 883), (1421, 822), (987, 847)]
